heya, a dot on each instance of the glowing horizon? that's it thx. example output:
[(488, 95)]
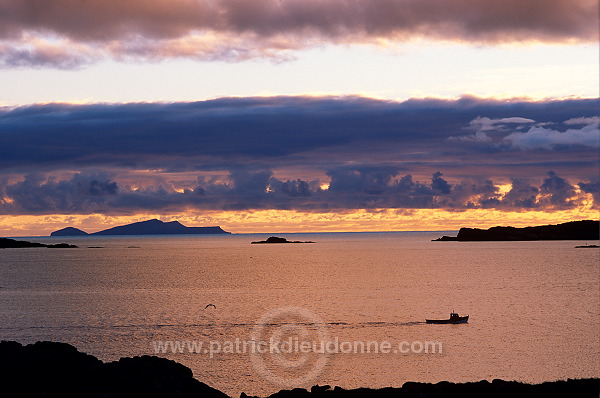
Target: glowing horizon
[(290, 221)]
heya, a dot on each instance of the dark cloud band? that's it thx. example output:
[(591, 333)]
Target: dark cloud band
[(275, 132)]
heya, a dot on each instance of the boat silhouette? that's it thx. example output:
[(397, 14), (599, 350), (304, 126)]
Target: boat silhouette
[(454, 318)]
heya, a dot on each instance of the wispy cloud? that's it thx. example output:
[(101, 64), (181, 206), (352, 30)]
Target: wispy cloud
[(549, 139), (509, 133), (235, 30)]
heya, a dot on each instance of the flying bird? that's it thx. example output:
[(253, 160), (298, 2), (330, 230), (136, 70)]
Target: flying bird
[(210, 305)]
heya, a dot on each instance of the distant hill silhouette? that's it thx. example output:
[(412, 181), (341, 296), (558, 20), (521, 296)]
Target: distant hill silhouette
[(574, 230), (149, 227), (69, 231)]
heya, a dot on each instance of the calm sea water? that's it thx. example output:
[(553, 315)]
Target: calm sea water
[(534, 306)]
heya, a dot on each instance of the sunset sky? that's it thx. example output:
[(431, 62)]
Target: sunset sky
[(298, 115)]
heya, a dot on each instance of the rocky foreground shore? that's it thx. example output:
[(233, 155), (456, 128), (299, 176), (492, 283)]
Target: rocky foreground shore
[(48, 369)]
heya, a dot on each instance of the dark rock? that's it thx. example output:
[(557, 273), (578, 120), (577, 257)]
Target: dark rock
[(47, 369), (447, 238), (294, 393), (444, 389), (275, 239), (574, 230), (53, 370), (6, 243), (316, 389), (69, 231)]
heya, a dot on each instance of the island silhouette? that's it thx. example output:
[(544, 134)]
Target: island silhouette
[(149, 227)]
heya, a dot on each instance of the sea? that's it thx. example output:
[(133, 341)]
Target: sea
[(348, 310)]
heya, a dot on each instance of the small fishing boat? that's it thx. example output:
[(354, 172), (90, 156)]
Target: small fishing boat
[(454, 318)]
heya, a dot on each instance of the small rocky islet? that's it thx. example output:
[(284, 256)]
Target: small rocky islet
[(275, 239)]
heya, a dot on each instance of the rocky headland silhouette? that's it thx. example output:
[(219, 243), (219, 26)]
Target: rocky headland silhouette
[(7, 243), (50, 369), (148, 227), (574, 230)]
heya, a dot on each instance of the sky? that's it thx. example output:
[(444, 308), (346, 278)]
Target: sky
[(298, 115)]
